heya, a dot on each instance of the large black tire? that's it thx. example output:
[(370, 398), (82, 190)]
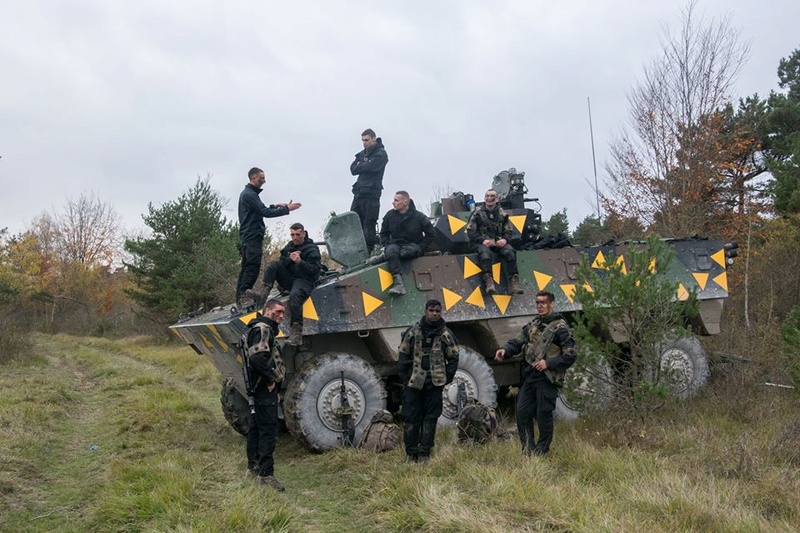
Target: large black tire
[(314, 395), (478, 379), (683, 365), (235, 407), (587, 387)]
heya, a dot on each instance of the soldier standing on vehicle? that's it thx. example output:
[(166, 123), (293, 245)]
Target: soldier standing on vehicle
[(490, 230), (252, 212), (369, 166), (548, 349), (427, 361), (297, 270), (267, 370), (405, 233)]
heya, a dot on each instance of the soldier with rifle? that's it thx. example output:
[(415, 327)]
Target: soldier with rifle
[(263, 370), (427, 361)]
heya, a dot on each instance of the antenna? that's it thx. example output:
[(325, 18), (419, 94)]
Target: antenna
[(594, 161)]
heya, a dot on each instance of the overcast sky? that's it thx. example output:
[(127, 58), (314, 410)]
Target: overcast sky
[(132, 101)]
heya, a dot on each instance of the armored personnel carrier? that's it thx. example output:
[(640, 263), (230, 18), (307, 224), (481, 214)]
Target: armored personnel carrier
[(352, 326)]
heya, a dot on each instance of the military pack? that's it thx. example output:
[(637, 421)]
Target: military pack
[(382, 434), (477, 423)]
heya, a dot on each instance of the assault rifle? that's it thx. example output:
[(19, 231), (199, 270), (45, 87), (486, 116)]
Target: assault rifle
[(345, 414), (248, 382), (461, 397)]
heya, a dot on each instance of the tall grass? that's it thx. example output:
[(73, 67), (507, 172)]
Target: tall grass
[(99, 435)]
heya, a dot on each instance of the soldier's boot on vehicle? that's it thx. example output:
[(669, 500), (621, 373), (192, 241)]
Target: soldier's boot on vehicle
[(514, 286), (259, 296), (398, 288), (296, 334), (272, 482), (376, 259), (488, 282)]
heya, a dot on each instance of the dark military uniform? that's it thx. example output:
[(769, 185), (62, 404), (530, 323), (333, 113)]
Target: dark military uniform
[(428, 359), (298, 278), (369, 165), (492, 224), (267, 370), (547, 338), (405, 236)]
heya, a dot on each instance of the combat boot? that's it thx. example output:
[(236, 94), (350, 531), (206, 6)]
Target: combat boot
[(296, 334), (489, 284), (272, 482), (398, 288), (513, 285), (259, 296)]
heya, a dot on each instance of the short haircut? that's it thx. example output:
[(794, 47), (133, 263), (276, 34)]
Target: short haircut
[(369, 131), (272, 303), (547, 294), (404, 194), (297, 226), (432, 303), (252, 172)]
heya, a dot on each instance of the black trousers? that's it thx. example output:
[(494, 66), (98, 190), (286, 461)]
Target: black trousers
[(251, 253), (368, 210), (507, 253), (262, 436), (299, 288), (395, 252), (421, 410), (536, 401)]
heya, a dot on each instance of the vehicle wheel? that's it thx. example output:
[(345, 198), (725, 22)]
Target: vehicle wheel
[(478, 379), (587, 387), (234, 407), (313, 396), (684, 365)]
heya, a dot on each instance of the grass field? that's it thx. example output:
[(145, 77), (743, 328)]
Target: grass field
[(100, 435)]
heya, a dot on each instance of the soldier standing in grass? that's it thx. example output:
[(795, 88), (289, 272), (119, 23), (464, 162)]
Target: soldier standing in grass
[(489, 230), (427, 361), (267, 370), (548, 348)]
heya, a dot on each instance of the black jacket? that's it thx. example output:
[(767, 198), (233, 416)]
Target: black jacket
[(310, 260), (252, 212), (369, 165), (411, 227)]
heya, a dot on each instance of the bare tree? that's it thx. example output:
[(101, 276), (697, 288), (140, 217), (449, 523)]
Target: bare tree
[(662, 170), (88, 231)]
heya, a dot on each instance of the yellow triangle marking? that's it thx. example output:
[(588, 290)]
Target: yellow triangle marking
[(280, 334), (455, 224), (683, 294), (450, 298), (719, 258), (476, 298), (502, 301), (247, 318), (217, 337), (652, 266), (370, 303), (542, 279), (496, 272), (722, 280), (518, 221), (701, 278), (470, 268), (309, 311), (621, 264), (386, 278), (569, 292), (599, 260), (588, 287), (206, 342)]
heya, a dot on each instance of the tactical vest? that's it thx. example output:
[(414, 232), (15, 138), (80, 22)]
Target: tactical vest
[(540, 346), (267, 344), (492, 228), (437, 370)]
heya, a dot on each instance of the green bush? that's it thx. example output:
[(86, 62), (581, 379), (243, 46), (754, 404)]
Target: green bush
[(791, 340)]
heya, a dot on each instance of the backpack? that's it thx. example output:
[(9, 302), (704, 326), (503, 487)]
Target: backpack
[(477, 423), (382, 434)]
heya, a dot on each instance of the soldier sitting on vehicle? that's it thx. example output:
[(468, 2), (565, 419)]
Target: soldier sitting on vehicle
[(405, 233), (297, 269), (490, 230)]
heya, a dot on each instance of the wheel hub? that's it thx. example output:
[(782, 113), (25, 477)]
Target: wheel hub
[(677, 364)]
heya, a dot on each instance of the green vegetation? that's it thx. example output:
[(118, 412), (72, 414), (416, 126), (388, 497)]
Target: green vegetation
[(166, 460)]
